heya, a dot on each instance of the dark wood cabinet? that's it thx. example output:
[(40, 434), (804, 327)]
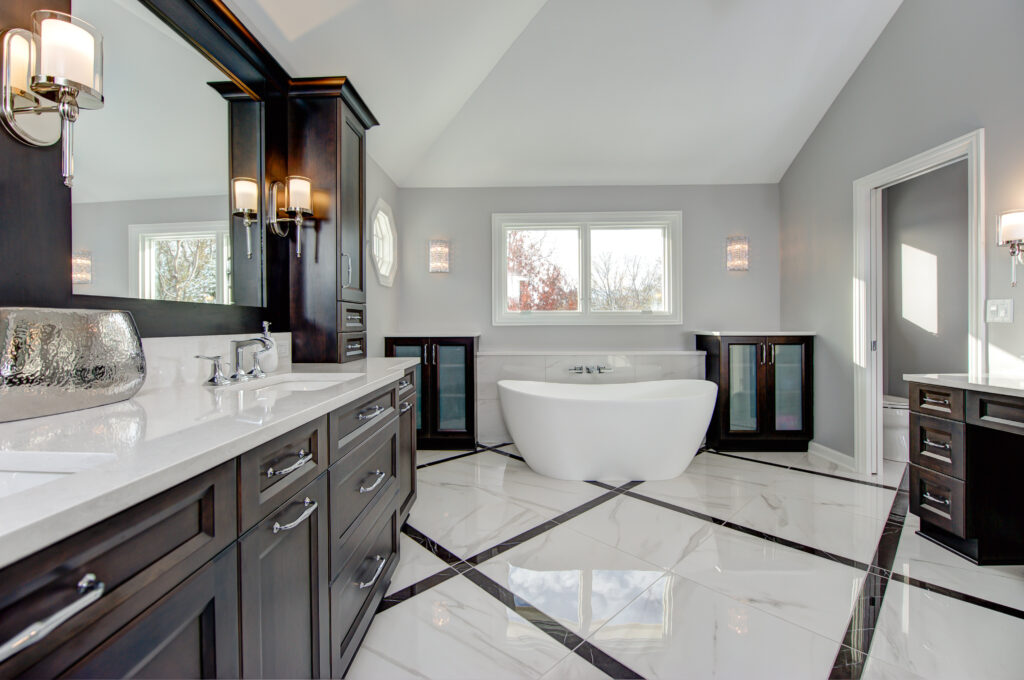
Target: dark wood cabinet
[(327, 123), (192, 632), (445, 382), (765, 391), (965, 471), (284, 603), (407, 444)]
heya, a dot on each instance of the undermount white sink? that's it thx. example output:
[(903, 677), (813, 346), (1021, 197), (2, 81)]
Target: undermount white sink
[(288, 383), (20, 470)]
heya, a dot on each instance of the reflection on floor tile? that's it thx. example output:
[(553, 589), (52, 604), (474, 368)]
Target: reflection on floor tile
[(919, 558), (809, 591), (859, 499), (879, 670), (677, 627), (416, 563), (575, 580), (454, 630), (937, 637), (711, 495), (573, 667), (425, 457)]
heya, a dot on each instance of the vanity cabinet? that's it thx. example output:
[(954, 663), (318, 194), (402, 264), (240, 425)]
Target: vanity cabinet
[(965, 471), (407, 443), (269, 565), (765, 391), (327, 123), (445, 382)]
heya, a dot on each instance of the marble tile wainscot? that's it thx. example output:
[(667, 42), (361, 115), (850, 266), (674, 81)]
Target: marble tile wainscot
[(191, 537), (554, 365)]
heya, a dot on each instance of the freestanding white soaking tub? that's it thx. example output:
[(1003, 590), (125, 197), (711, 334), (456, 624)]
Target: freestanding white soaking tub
[(630, 431)]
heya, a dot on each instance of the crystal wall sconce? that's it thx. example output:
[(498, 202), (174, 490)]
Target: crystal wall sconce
[(46, 76), (438, 251), (298, 206), (81, 267), (1011, 233), (737, 254), (245, 203)]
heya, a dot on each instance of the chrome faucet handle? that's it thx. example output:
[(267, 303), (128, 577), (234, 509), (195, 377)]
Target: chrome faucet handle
[(257, 370), (604, 369), (217, 378)]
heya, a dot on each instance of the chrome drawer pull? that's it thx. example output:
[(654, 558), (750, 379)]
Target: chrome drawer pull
[(353, 317), (310, 506), (402, 384), (376, 575), (380, 478), (935, 499), (405, 407), (371, 413), (303, 459), (353, 345), (936, 402), (90, 590), (937, 445)]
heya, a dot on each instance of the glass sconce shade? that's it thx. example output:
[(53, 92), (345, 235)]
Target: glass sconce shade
[(245, 195), (737, 253), (438, 251), (1011, 227), (300, 195), (70, 56)]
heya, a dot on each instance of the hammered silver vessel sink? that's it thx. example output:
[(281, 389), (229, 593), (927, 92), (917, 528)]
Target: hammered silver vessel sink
[(59, 360)]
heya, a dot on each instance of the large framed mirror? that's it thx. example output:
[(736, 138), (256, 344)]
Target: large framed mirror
[(156, 227)]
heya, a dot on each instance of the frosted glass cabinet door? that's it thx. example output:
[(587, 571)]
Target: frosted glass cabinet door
[(451, 387), (787, 362), (743, 370)]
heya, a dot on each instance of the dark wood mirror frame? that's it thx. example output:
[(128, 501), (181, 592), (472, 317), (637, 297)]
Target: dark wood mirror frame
[(35, 207)]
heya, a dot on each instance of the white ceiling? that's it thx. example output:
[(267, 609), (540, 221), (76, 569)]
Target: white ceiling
[(579, 92)]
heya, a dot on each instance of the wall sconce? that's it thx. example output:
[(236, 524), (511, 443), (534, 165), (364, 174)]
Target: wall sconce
[(245, 199), (1011, 233), (298, 206), (438, 256), (737, 253), (81, 266), (47, 75)]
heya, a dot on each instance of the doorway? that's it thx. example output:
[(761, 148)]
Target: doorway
[(869, 264)]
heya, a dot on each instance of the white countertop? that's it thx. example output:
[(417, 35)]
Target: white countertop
[(995, 384), (109, 458)]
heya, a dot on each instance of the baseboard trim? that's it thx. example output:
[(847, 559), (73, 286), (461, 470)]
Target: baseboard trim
[(831, 455)]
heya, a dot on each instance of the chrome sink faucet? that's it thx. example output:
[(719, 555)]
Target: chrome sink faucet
[(239, 347)]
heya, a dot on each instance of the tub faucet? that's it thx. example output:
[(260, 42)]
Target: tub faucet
[(600, 369), (578, 370)]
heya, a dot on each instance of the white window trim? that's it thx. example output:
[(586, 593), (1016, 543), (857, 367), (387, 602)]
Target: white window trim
[(671, 221), (138, 287), (386, 279)]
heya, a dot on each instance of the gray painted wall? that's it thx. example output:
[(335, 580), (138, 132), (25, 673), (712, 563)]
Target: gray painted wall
[(941, 69), (381, 302), (460, 301), (928, 213), (103, 229)]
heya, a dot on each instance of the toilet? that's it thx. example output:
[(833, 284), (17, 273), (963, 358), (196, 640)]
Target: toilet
[(895, 428)]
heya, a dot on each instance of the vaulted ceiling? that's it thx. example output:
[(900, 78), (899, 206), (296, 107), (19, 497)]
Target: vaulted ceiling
[(579, 92)]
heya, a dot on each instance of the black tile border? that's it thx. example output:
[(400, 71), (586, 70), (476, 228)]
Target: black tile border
[(570, 640), (480, 448), (400, 596), (878, 485), (455, 456), (957, 595), (853, 652), (430, 544)]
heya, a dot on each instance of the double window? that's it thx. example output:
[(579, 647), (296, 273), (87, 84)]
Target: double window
[(587, 268)]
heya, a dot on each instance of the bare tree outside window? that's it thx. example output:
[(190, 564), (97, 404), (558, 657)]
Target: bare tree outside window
[(186, 269), (543, 270), (627, 270)]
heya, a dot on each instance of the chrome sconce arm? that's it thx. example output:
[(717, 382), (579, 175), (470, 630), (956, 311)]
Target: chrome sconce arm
[(298, 192)]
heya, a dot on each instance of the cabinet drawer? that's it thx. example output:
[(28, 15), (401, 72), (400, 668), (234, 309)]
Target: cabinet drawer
[(353, 424), (351, 317), (945, 402), (359, 588), (138, 555), (351, 346), (939, 500), (284, 587), (407, 384), (364, 479), (270, 474), (996, 411), (938, 444)]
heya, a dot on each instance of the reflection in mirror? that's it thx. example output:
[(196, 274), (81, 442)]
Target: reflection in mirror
[(151, 210)]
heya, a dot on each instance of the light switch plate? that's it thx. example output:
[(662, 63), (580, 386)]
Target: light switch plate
[(999, 311)]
